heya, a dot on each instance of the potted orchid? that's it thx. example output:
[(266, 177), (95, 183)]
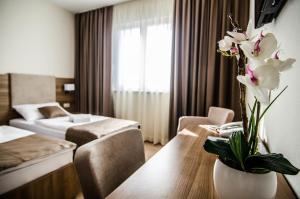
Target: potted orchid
[(241, 170)]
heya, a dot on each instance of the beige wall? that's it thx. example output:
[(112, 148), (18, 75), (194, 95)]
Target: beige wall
[(36, 37), (281, 124)]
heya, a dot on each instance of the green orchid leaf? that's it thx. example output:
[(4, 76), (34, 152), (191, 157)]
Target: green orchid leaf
[(223, 150), (218, 147), (252, 110), (238, 146), (272, 162), (258, 170)]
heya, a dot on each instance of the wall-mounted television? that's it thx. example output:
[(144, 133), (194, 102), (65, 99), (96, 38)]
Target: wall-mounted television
[(267, 10)]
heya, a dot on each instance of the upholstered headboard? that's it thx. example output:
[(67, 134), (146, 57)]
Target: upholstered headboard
[(32, 89)]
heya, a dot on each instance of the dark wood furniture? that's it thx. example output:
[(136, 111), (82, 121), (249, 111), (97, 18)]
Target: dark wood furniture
[(181, 169), (6, 112), (65, 97)]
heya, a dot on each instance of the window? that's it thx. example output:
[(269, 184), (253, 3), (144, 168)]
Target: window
[(143, 58), (141, 65)]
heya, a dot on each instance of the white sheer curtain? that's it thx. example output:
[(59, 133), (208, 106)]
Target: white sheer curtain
[(142, 40)]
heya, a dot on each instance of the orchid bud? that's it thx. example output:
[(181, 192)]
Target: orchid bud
[(234, 51)]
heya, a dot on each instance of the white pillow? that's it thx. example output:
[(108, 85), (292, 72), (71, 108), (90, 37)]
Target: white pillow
[(30, 112)]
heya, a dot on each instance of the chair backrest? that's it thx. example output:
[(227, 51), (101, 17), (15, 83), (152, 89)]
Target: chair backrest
[(102, 165), (219, 115)]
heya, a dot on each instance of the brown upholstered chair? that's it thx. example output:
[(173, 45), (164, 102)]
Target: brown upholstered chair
[(103, 164), (216, 116)]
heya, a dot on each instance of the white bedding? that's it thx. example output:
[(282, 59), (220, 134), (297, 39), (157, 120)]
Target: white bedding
[(30, 170), (32, 126), (56, 127), (8, 133), (63, 123)]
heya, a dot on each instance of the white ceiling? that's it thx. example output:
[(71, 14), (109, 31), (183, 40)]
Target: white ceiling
[(77, 6)]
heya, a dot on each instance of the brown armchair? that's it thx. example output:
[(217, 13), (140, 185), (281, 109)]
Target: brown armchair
[(103, 164), (216, 116)]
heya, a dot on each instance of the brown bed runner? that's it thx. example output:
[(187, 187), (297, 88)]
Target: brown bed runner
[(18, 151), (85, 133)]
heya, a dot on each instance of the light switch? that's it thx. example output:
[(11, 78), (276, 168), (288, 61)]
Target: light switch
[(66, 105)]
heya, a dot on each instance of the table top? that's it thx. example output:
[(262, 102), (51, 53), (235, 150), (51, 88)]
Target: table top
[(181, 169)]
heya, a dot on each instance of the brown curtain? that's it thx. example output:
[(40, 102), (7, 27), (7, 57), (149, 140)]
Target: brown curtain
[(93, 62), (200, 76)]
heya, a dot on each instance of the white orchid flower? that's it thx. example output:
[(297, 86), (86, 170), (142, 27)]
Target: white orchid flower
[(260, 81), (226, 43), (279, 64), (239, 37), (261, 49), (236, 38)]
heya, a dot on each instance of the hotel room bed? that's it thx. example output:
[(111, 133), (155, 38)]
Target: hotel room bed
[(56, 127), (79, 133), (26, 156), (40, 93)]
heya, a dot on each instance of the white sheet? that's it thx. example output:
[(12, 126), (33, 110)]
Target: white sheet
[(56, 127), (8, 133), (63, 123), (32, 126), (77, 118), (31, 170)]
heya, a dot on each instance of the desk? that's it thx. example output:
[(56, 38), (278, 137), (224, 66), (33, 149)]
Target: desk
[(181, 169)]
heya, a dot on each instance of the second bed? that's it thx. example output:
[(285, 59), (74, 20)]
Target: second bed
[(79, 133)]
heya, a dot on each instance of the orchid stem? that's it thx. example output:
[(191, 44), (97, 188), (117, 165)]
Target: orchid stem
[(256, 129), (241, 70)]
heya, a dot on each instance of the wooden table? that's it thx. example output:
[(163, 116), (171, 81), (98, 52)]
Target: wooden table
[(181, 169)]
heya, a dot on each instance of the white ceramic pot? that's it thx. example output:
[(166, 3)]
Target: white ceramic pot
[(231, 183)]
